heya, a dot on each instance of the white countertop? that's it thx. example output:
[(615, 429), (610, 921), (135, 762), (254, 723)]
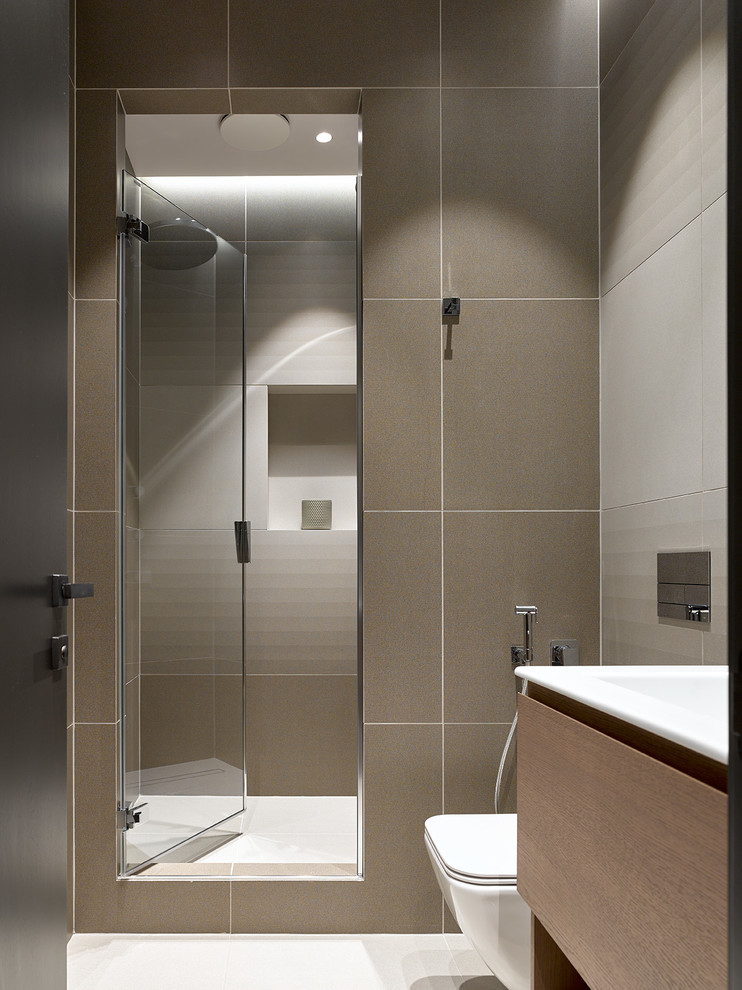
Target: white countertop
[(687, 704)]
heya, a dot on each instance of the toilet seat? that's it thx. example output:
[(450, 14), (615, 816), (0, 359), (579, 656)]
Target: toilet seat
[(477, 849)]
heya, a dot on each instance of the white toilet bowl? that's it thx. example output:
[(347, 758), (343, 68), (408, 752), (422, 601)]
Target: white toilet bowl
[(474, 859)]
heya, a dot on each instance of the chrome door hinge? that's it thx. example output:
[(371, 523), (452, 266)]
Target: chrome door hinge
[(243, 541), (131, 815), (128, 225)]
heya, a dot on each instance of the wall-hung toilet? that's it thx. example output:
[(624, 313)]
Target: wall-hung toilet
[(474, 859)]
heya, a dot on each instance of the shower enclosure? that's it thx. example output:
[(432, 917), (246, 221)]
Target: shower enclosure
[(239, 614)]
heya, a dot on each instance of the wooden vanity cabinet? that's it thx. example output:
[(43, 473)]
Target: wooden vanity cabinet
[(622, 853)]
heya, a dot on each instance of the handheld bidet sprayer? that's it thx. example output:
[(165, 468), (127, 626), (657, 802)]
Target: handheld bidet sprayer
[(523, 655)]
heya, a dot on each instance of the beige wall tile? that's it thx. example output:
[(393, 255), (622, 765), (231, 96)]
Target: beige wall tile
[(650, 130), (714, 85), (301, 735), (95, 405), (520, 406), (96, 205), (302, 208), (632, 537), (190, 457), (471, 759), (401, 405), (715, 538), (177, 719), (369, 44), (520, 183), (179, 43), (301, 312), (218, 202), (651, 377), (494, 561), (548, 43), (401, 194), (95, 618), (177, 597), (301, 603), (714, 278), (619, 19), (402, 616)]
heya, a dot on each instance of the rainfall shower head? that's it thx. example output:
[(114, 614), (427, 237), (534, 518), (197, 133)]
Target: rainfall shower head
[(178, 244)]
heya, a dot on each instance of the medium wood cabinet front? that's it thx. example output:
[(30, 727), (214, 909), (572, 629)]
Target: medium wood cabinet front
[(622, 858)]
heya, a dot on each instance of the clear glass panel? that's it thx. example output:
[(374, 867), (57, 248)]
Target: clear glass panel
[(183, 443)]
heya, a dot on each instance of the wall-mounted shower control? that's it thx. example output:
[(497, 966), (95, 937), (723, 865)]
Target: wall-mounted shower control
[(451, 306), (564, 653)]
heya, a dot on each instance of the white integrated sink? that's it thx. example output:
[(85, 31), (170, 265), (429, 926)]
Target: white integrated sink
[(687, 704)]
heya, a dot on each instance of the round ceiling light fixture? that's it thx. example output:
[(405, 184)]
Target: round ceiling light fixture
[(254, 131), (323, 137)]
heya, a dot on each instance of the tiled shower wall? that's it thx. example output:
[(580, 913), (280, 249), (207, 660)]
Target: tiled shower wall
[(300, 592), (663, 318), (480, 126)]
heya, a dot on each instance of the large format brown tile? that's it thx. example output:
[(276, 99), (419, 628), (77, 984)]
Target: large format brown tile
[(175, 100), (177, 719), (304, 100), (95, 821), (546, 43), (229, 719), (401, 194), (471, 760), (402, 616), (494, 561), (520, 204), (401, 405), (520, 406), (323, 907), (96, 205), (301, 43), (95, 618), (152, 43), (95, 405), (302, 735), (403, 765)]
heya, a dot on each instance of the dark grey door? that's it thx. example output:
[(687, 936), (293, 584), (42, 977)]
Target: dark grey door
[(33, 398)]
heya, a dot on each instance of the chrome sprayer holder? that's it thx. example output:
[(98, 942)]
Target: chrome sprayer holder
[(523, 655)]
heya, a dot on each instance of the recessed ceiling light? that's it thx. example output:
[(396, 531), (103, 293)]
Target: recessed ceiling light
[(254, 131), (324, 136)]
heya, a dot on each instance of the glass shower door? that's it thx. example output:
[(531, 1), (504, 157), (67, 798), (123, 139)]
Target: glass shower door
[(182, 387)]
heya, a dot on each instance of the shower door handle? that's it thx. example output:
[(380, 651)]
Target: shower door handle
[(242, 539)]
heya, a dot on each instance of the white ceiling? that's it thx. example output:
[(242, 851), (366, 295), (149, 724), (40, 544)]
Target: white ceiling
[(190, 144)]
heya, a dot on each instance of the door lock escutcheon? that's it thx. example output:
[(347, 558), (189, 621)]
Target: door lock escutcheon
[(60, 652), (62, 590)]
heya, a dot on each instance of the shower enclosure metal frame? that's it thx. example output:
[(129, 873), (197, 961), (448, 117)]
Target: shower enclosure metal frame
[(121, 631)]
